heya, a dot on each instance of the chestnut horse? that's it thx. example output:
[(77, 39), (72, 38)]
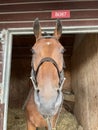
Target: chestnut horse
[(45, 98)]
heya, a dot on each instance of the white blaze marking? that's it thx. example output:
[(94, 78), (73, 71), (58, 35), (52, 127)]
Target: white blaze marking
[(48, 43)]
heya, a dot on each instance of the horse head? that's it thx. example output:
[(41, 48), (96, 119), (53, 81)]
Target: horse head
[(47, 70)]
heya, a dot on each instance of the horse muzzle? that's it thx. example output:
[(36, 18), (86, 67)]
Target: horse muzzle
[(50, 107)]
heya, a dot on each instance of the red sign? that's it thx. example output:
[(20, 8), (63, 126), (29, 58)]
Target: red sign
[(60, 14)]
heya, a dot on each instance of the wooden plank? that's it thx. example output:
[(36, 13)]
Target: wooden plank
[(1, 116), (47, 16), (49, 6), (69, 97), (22, 1), (24, 24), (1, 62), (0, 77), (1, 56), (1, 47), (1, 67)]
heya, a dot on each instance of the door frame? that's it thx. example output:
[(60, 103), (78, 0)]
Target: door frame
[(8, 54)]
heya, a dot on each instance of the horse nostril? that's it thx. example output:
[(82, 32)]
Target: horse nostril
[(58, 91), (38, 90)]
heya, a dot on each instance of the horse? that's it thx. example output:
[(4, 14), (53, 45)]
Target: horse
[(45, 98)]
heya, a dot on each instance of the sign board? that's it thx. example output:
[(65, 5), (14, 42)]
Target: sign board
[(60, 14)]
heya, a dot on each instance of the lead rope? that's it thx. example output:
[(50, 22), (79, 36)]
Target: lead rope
[(59, 111), (49, 123), (48, 119)]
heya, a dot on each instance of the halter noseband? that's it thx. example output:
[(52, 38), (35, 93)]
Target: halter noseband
[(35, 73)]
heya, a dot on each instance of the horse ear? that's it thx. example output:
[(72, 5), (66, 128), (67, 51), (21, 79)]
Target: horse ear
[(37, 28), (58, 29)]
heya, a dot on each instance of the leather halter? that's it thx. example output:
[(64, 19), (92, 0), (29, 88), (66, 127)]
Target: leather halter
[(46, 59)]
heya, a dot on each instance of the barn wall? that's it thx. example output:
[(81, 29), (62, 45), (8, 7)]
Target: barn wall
[(2, 47), (1, 59), (1, 115), (21, 13), (85, 81), (1, 104)]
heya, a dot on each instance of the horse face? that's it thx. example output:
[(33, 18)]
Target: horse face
[(47, 96), (49, 47)]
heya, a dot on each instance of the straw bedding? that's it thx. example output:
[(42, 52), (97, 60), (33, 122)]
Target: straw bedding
[(17, 121)]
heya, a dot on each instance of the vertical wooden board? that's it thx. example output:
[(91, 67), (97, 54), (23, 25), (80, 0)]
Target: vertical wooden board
[(93, 83), (1, 61), (1, 116), (85, 81), (1, 68)]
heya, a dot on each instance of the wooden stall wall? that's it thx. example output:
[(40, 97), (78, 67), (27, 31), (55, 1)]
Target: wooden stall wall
[(85, 81)]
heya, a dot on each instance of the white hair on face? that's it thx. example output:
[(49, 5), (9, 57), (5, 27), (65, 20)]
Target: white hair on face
[(48, 43)]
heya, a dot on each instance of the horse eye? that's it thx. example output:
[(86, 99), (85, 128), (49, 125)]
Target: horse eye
[(63, 50), (38, 90), (58, 91), (32, 50)]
